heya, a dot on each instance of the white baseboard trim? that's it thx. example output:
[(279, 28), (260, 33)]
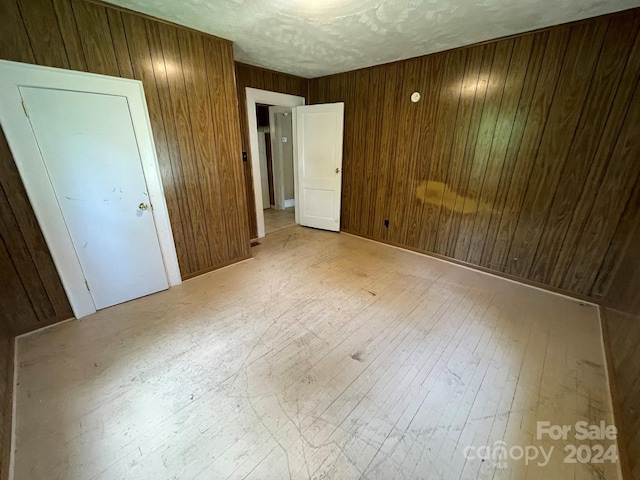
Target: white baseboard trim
[(290, 203)]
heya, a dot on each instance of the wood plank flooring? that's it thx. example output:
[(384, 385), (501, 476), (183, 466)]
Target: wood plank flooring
[(325, 357), (275, 220)]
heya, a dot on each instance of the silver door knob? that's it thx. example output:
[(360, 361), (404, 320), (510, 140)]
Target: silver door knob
[(143, 206)]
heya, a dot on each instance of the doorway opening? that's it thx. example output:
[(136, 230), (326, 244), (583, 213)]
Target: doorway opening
[(275, 147), (272, 146)]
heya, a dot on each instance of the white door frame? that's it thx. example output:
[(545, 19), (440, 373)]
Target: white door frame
[(33, 172), (254, 97)]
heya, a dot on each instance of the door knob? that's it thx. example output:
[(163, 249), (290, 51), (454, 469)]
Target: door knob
[(143, 206), (337, 170)]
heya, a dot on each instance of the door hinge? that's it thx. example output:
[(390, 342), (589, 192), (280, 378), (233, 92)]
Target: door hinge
[(87, 284), (24, 107)]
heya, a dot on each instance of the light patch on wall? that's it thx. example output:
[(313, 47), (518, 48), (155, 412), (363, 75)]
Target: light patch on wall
[(439, 193)]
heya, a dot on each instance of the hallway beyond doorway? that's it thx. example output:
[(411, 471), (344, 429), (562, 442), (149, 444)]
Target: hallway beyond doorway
[(275, 220)]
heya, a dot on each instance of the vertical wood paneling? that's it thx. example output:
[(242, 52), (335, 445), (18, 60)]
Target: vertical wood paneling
[(461, 205), (139, 54), (449, 84), (622, 336), (606, 143), (482, 166), (400, 182), (513, 148), (120, 47), (388, 144), (14, 41), (361, 124), (95, 36), (456, 164), (534, 126), (225, 115), (622, 240), (429, 82), (33, 295), (70, 36), (519, 158), (559, 131), (199, 107), (14, 296), (189, 84), (374, 139), (511, 92), (605, 81), (23, 262), (172, 159), (369, 132), (263, 79), (349, 132), (617, 184), (44, 33)]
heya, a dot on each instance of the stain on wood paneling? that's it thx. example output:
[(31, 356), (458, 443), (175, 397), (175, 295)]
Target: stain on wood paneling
[(263, 79), (189, 83), (520, 157)]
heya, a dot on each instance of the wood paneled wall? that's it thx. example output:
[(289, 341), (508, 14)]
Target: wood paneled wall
[(31, 294), (522, 157), (622, 328), (256, 77), (188, 79)]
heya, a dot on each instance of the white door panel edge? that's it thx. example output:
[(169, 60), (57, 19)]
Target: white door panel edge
[(318, 161), (265, 97), (31, 167)]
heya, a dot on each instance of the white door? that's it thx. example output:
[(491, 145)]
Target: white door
[(91, 155), (319, 130)]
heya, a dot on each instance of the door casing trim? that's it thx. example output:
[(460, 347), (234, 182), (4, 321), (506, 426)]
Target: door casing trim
[(254, 97), (31, 166)]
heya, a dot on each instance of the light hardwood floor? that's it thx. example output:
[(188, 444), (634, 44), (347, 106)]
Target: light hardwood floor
[(327, 356), (275, 220)]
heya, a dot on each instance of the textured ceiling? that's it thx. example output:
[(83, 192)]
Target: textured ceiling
[(312, 38)]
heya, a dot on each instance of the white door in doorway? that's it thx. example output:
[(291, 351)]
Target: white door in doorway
[(319, 131), (89, 148)]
